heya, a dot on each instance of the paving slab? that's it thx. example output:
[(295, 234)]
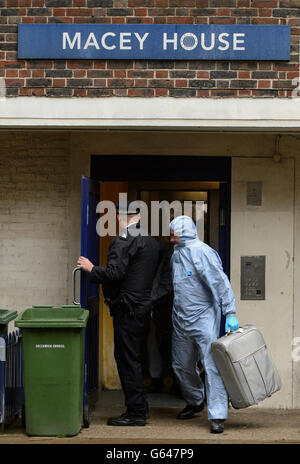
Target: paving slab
[(254, 425)]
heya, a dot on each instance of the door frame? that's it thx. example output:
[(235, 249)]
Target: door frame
[(173, 168), (151, 168)]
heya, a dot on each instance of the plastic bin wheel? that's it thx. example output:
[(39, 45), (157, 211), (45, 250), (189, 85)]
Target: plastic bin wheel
[(86, 416)]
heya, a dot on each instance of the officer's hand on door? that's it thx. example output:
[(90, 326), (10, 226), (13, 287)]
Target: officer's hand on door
[(85, 264)]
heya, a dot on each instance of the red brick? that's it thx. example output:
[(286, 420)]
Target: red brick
[(140, 83), (25, 91), (294, 21), (161, 92), (147, 20), (292, 75), (228, 93), (59, 82), (59, 12), (180, 20), (80, 3), (202, 3), (295, 31), (265, 12), (222, 20), (29, 20), (12, 73), (265, 3), (202, 75), (38, 73), (24, 2), (24, 73), (244, 75), (79, 11), (100, 82), (142, 3), (201, 20), (78, 64), (120, 92), (162, 74), (181, 83), (80, 92), (40, 19), (98, 64), (120, 73), (14, 82), (79, 73), (245, 93), (223, 12), (141, 92), (65, 19), (140, 12), (264, 84), (37, 3), (265, 21), (161, 3), (203, 93)]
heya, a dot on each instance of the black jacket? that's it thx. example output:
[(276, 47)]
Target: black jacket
[(131, 267)]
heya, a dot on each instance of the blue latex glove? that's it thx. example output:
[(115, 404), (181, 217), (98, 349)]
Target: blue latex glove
[(231, 324)]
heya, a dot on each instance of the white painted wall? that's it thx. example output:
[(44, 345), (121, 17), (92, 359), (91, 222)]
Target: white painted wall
[(34, 217), (210, 113), (267, 230)]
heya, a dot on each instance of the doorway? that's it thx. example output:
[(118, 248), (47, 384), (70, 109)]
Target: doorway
[(162, 178)]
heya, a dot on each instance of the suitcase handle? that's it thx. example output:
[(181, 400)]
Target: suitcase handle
[(239, 330)]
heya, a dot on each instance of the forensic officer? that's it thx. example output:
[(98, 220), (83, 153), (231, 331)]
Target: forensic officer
[(202, 292), (127, 283)]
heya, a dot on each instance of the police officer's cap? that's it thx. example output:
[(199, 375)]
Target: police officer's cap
[(127, 207)]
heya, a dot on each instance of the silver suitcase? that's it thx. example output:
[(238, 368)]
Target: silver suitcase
[(246, 367)]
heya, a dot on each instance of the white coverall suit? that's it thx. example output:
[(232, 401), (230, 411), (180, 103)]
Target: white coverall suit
[(201, 291)]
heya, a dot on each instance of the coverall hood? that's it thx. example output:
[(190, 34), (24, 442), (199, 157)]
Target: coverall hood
[(185, 228)]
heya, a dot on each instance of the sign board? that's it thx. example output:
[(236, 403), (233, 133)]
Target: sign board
[(154, 41)]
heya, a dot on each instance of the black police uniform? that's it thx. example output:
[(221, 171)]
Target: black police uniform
[(127, 283)]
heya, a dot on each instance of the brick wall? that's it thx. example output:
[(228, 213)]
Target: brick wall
[(97, 78), (34, 248)]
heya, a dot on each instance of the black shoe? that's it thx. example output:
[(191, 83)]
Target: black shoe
[(126, 420), (189, 411), (217, 426)]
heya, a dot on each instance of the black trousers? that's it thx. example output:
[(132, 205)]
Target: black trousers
[(128, 337)]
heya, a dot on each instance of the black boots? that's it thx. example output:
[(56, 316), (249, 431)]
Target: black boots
[(189, 411), (217, 426), (127, 419)]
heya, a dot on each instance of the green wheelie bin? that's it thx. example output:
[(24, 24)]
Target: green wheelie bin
[(53, 359)]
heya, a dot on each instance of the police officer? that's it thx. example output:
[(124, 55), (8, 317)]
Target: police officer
[(127, 283)]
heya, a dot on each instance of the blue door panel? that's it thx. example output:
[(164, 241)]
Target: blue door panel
[(89, 293)]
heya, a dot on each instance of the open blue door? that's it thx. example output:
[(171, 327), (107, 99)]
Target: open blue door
[(89, 293), (224, 234)]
